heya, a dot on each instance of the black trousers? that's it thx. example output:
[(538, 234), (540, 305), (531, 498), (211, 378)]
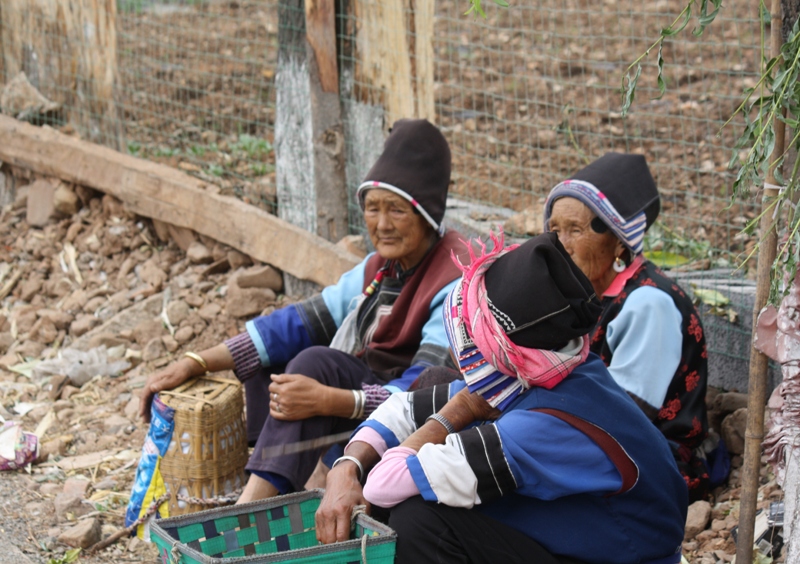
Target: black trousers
[(432, 532)]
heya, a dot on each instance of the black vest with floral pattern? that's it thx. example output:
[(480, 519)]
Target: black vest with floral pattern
[(682, 418)]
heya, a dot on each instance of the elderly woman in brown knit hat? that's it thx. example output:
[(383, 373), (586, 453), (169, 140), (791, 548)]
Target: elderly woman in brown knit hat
[(649, 333), (322, 365)]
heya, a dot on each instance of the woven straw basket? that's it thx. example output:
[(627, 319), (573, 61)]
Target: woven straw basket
[(206, 458)]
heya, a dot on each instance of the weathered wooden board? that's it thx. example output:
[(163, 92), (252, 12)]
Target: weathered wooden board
[(68, 51), (163, 193)]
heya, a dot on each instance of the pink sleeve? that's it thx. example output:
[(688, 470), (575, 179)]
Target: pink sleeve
[(371, 437), (390, 482)]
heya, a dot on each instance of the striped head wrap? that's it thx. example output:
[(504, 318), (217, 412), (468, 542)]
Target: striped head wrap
[(619, 190), (483, 336)]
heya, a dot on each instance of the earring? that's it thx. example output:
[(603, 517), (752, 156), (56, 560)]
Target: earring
[(619, 265)]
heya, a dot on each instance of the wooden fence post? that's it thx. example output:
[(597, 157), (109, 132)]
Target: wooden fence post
[(386, 61), (309, 137), (68, 51)]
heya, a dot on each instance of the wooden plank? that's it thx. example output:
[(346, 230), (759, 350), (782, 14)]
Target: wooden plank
[(163, 193), (321, 35)]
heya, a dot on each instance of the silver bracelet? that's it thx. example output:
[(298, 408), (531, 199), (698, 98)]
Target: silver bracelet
[(442, 420), (356, 399), (363, 397), (351, 459)]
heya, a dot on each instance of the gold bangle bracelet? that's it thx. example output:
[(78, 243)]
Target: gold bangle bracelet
[(198, 359)]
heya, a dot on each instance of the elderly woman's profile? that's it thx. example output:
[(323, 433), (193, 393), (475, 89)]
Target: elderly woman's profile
[(319, 367), (649, 333)]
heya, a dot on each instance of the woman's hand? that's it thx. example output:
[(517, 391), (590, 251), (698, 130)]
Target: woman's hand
[(468, 408), (343, 492), (293, 397), (170, 377), (217, 358)]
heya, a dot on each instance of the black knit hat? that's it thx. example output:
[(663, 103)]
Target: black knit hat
[(415, 164), (626, 181), (540, 296)]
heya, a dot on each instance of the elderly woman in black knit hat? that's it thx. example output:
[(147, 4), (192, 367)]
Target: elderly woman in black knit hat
[(649, 333), (537, 456), (322, 365)]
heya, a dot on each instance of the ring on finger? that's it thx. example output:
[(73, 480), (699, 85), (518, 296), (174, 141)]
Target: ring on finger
[(278, 407), (275, 396)]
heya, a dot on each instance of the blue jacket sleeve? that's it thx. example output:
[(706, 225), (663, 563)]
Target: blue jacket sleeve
[(278, 337)]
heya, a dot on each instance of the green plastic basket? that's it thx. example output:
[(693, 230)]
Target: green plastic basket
[(280, 529)]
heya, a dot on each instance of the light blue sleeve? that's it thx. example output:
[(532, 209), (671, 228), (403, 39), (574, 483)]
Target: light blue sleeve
[(433, 332), (645, 340), (550, 459), (339, 298)]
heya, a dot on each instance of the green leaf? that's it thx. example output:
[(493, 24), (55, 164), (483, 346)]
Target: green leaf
[(502, 3), (704, 19), (69, 557), (711, 297), (664, 259), (662, 84), (630, 89), (670, 31)]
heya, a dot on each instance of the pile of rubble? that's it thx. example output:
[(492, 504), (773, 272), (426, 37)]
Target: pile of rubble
[(80, 275)]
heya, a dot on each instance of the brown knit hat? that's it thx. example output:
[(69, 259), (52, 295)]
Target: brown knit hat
[(415, 164)]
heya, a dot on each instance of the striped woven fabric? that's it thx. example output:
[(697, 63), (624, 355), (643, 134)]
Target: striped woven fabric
[(630, 232)]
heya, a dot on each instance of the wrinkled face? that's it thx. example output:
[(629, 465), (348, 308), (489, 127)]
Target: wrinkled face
[(593, 252), (396, 231)]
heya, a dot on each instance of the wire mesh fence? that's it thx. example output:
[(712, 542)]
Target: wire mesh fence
[(525, 97)]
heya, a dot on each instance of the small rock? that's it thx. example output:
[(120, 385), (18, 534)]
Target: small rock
[(77, 486), (30, 288), (106, 484), (52, 448), (177, 311), (40, 203), (114, 423), (237, 259), (243, 302), (6, 340), (184, 334), (43, 331), (148, 330), (29, 349), (733, 430), (170, 343), (697, 519), (69, 391), (153, 349), (57, 383), (65, 201), (51, 488), (83, 324), (209, 312), (195, 300), (198, 253), (84, 534), (132, 408), (260, 277), (69, 503), (109, 340), (61, 319), (151, 274), (730, 402)]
